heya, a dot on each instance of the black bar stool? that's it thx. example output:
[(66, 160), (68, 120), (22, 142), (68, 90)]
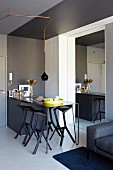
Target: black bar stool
[(25, 125), (63, 109), (53, 123), (99, 99), (40, 125)]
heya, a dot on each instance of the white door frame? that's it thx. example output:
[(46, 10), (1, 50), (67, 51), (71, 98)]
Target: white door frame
[(6, 87), (88, 29)]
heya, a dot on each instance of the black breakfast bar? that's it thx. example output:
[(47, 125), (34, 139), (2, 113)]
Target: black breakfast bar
[(88, 104), (15, 117)]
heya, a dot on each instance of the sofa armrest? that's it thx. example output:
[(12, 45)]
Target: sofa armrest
[(96, 131)]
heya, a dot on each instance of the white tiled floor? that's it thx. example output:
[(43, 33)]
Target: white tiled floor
[(84, 123), (13, 156)]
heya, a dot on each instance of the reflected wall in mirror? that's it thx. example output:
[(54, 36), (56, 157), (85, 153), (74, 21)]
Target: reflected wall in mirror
[(90, 59)]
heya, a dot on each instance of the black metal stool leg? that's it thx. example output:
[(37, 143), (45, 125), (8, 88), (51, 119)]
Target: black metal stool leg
[(99, 109), (49, 124), (70, 135), (27, 134), (32, 132), (37, 144), (57, 122), (29, 138), (52, 135), (52, 122), (39, 138), (28, 127), (47, 141), (95, 117), (49, 128), (65, 126), (62, 137), (57, 126), (18, 133), (60, 129)]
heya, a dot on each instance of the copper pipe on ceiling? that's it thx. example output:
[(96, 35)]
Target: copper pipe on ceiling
[(4, 17), (45, 33), (34, 16), (31, 16), (44, 40)]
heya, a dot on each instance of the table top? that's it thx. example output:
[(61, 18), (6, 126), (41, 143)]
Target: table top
[(33, 100)]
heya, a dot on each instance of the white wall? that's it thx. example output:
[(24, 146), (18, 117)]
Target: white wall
[(63, 62), (3, 45), (67, 71), (95, 55), (60, 67), (67, 68), (52, 67), (95, 71), (109, 71)]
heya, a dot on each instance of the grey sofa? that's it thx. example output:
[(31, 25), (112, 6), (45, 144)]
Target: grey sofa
[(100, 139)]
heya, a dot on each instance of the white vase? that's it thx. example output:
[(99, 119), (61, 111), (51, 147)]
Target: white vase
[(31, 91), (88, 87)]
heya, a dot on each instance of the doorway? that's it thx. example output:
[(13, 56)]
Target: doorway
[(90, 63), (85, 30), (90, 60), (3, 92)]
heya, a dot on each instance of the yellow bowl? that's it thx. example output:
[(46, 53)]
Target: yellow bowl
[(52, 101)]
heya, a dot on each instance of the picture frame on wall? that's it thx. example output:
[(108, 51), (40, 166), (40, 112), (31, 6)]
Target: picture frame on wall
[(26, 89)]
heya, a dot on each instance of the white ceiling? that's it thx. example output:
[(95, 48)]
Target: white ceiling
[(28, 7)]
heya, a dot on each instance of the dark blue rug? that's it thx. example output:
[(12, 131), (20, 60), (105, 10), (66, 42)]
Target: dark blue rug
[(76, 159)]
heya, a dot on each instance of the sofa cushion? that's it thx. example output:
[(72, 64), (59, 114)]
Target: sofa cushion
[(105, 144)]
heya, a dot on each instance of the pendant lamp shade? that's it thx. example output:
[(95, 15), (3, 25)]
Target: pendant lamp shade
[(44, 77)]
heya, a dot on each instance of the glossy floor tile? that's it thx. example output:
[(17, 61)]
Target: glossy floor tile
[(13, 156), (84, 123)]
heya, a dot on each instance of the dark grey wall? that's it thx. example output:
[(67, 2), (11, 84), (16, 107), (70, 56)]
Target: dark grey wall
[(81, 63), (109, 70), (26, 61)]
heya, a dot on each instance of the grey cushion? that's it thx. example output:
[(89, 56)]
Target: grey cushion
[(105, 144)]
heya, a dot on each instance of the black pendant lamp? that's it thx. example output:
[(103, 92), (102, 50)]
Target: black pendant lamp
[(44, 77)]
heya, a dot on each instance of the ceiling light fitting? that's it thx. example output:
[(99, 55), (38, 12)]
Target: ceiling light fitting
[(31, 16)]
